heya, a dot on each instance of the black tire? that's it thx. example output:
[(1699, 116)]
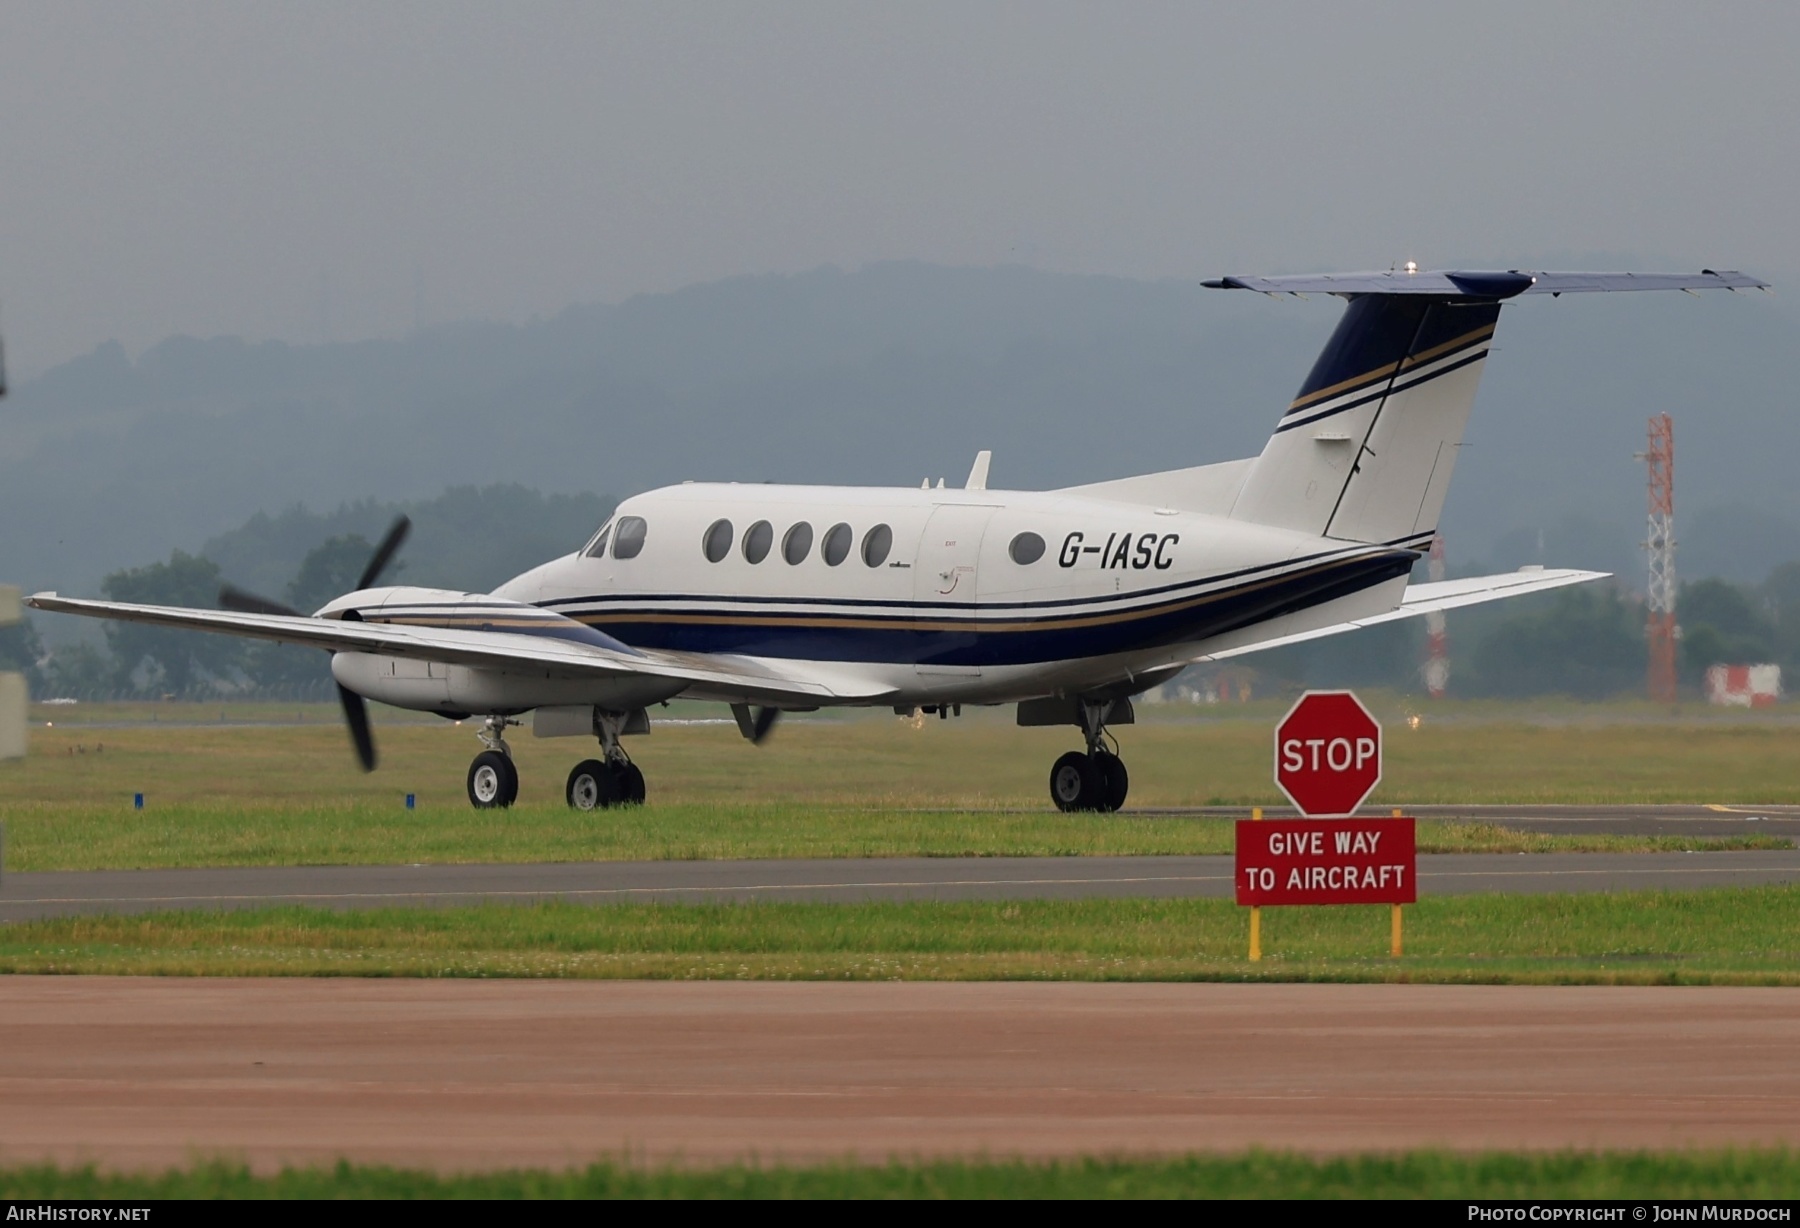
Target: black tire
[(1075, 783), (592, 786), (1115, 781), (493, 781), (631, 785)]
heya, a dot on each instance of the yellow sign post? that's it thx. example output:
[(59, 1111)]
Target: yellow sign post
[(1255, 912), (1394, 942)]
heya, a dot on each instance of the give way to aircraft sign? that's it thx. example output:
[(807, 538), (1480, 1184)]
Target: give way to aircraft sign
[(1328, 761)]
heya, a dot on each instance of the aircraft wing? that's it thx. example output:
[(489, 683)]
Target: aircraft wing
[(1427, 599), (754, 677)]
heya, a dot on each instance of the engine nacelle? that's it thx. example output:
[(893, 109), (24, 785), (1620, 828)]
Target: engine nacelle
[(434, 686)]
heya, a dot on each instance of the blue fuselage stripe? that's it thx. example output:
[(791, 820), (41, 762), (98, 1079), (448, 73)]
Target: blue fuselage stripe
[(971, 640)]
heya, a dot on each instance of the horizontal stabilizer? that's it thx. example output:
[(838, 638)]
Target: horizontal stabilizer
[(1430, 598), (1489, 284)]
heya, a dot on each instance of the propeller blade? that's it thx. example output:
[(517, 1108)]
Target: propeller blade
[(765, 722), (384, 553), (249, 603), (356, 715)]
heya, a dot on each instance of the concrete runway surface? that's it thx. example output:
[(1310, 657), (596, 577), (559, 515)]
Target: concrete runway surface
[(67, 893), (142, 1072)]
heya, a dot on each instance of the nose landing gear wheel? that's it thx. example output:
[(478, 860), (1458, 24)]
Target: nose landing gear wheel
[(493, 781), (1075, 783)]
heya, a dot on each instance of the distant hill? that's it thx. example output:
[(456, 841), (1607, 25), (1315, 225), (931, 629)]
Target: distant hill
[(890, 374), (466, 538)]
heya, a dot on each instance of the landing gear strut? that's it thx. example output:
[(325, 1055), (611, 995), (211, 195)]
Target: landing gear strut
[(611, 780), (1095, 780), (493, 780)]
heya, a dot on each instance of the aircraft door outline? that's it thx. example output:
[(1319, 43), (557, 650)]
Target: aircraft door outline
[(947, 569)]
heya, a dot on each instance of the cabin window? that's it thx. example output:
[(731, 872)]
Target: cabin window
[(836, 547), (717, 542), (628, 538), (757, 540), (796, 544), (597, 547), (876, 544), (1026, 548)]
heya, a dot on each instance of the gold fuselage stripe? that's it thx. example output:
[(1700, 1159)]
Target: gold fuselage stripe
[(1383, 372)]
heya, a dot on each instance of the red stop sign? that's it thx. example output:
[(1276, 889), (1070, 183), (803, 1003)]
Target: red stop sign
[(1328, 753)]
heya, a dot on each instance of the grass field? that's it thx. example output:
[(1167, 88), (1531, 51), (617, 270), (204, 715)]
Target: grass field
[(1735, 936), (1473, 754), (77, 837), (1751, 1174), (219, 791)]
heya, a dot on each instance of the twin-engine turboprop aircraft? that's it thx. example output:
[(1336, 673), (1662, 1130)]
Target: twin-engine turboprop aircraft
[(1066, 603)]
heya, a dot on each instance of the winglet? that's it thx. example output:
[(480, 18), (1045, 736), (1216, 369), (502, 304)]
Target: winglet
[(978, 471)]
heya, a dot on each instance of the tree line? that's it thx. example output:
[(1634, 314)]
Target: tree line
[(467, 538), (1584, 642)]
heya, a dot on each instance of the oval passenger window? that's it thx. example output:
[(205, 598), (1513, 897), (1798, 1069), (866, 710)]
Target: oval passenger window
[(876, 544), (757, 540), (836, 547), (1026, 548), (628, 540), (797, 543), (597, 548), (717, 542)]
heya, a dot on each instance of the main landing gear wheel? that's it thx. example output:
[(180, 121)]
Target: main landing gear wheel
[(1075, 783), (1115, 781), (631, 785), (595, 785), (493, 781), (592, 786), (1095, 780)]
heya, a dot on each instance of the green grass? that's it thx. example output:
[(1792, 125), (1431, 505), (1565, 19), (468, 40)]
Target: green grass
[(1751, 1174), (225, 794), (78, 836), (979, 761), (1723, 936)]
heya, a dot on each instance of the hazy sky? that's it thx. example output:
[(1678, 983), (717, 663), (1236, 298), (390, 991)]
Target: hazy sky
[(322, 169)]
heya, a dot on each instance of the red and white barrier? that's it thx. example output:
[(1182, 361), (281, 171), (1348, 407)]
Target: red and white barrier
[(1743, 686)]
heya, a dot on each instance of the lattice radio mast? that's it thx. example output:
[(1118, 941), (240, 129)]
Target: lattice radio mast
[(1437, 640), (1659, 593)]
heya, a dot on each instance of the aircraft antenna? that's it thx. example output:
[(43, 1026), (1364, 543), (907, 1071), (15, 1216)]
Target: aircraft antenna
[(1660, 631)]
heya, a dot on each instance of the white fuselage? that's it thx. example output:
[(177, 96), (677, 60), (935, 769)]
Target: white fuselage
[(1121, 594)]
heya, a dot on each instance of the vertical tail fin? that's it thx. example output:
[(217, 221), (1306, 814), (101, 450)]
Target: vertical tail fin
[(1365, 450)]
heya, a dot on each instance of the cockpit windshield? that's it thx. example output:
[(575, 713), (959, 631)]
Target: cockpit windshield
[(597, 546)]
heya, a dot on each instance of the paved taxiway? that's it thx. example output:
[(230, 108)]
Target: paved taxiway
[(143, 1071), (65, 893), (1626, 820)]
